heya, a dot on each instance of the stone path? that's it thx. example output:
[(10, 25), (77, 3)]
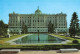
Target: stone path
[(46, 52)]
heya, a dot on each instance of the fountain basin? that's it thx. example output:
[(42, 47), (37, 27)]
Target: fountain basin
[(43, 39)]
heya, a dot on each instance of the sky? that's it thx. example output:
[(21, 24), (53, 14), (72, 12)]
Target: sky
[(46, 6)]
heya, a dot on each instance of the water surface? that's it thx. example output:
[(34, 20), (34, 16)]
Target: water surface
[(42, 38)]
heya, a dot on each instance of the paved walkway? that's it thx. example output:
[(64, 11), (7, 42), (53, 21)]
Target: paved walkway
[(46, 52)]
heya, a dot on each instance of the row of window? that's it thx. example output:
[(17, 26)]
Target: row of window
[(30, 30), (37, 27), (62, 21), (39, 16), (34, 24), (38, 21), (61, 30), (33, 17), (61, 24), (33, 21), (39, 30), (61, 27)]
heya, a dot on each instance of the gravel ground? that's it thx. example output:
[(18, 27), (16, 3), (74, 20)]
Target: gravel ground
[(46, 52)]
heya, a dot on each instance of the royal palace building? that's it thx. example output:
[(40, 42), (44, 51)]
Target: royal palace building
[(37, 21)]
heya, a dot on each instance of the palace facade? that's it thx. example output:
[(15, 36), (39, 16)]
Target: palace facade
[(37, 21)]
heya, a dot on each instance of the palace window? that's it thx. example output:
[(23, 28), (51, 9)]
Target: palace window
[(20, 21), (43, 20), (20, 24), (64, 24), (33, 25), (25, 21), (59, 24), (20, 17), (38, 20), (28, 21)]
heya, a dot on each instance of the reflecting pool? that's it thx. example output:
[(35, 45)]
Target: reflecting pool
[(42, 38)]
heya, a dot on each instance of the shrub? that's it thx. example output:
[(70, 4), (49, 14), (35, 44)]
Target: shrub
[(75, 41), (78, 34)]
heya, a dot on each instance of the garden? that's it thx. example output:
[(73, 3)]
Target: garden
[(75, 44)]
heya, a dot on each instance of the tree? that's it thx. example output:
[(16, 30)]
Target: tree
[(50, 27), (74, 25), (3, 28), (24, 28)]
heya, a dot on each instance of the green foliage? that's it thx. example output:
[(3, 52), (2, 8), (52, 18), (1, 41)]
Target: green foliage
[(78, 34), (50, 27), (24, 28), (74, 25), (75, 41), (41, 47), (3, 28)]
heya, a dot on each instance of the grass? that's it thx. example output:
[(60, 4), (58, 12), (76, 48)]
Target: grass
[(68, 38), (3, 40), (12, 37)]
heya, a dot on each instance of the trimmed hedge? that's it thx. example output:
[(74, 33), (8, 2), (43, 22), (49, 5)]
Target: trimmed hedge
[(48, 47)]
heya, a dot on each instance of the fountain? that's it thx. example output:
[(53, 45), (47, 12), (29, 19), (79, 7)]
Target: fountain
[(8, 33)]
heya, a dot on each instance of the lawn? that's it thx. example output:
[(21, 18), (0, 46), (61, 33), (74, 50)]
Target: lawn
[(2, 40), (64, 37)]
